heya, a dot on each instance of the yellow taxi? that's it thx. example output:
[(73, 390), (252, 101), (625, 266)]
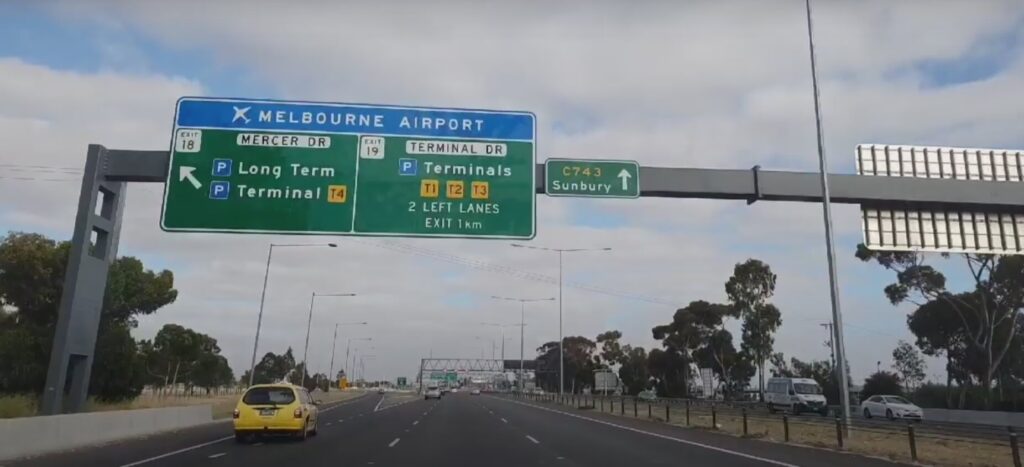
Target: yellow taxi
[(275, 409)]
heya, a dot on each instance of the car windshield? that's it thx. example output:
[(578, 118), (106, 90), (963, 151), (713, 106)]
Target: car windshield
[(269, 395), (897, 400), (805, 388)]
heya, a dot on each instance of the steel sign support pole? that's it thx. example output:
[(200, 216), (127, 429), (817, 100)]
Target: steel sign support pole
[(94, 245), (833, 279)]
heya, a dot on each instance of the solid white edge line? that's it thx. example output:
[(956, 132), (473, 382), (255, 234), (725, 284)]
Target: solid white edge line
[(531, 438), (179, 451), (393, 443), (658, 435), (377, 407)]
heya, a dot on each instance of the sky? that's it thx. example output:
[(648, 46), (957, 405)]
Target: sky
[(669, 84)]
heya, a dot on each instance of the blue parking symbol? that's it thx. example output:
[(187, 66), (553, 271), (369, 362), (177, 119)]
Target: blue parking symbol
[(220, 189), (407, 166), (222, 167)]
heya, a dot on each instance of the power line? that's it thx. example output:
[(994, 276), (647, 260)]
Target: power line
[(510, 271), (37, 179), (41, 167)]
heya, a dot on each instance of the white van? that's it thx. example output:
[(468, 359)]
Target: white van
[(795, 394)]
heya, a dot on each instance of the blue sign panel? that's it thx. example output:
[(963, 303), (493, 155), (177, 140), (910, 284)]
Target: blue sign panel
[(354, 119)]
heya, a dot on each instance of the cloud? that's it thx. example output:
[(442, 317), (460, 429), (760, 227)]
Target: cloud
[(705, 84)]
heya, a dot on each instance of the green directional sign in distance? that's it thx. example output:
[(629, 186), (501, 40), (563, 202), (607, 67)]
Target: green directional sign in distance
[(451, 377), (592, 178), (251, 166)]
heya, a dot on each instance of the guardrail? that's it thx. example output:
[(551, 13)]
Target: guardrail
[(916, 441)]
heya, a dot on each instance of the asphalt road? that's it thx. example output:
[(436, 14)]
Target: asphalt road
[(459, 430)]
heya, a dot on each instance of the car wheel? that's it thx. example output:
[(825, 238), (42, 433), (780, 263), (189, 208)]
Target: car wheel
[(795, 409), (889, 415), (313, 433), (867, 413), (771, 408), (241, 438), (303, 432)]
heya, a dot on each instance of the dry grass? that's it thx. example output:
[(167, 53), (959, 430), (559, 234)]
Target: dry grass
[(17, 406), (893, 445)]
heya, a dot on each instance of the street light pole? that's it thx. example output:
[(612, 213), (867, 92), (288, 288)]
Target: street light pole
[(830, 250), (522, 327), (348, 349), (309, 325), (356, 355), (263, 296), (501, 327), (334, 346), (561, 352), (522, 332)]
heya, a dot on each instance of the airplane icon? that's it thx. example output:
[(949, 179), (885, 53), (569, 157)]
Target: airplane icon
[(240, 114)]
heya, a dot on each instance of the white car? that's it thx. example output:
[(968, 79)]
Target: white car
[(432, 393), (475, 392), (891, 407)]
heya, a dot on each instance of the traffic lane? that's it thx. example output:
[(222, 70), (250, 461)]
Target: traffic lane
[(767, 452), (351, 436), (121, 452), (460, 431), (588, 443)]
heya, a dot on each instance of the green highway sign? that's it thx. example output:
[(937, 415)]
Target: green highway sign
[(257, 166), (437, 375), (451, 377), (592, 178)]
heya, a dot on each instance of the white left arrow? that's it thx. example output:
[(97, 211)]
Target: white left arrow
[(185, 173), (625, 176)]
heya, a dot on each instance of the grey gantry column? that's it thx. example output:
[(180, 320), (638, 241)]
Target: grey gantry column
[(93, 249)]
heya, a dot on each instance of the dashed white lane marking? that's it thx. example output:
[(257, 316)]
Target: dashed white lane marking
[(218, 440), (504, 421), (559, 458), (658, 435), (219, 454), (341, 420), (377, 407), (417, 422), (179, 451), (424, 413), (329, 423), (531, 438), (393, 443)]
